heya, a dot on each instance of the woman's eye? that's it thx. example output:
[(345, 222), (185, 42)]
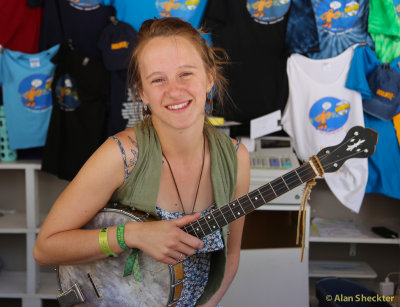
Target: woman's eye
[(186, 74), (159, 80)]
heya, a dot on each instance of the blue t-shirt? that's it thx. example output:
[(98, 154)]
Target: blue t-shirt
[(135, 12), (383, 165), (340, 25), (26, 81), (301, 32)]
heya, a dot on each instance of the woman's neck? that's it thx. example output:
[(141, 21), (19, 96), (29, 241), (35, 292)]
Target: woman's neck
[(182, 143)]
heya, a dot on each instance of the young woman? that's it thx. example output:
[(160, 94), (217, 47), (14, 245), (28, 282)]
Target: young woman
[(174, 165)]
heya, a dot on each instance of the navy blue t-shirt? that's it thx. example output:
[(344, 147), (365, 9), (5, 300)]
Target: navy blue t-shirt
[(81, 22)]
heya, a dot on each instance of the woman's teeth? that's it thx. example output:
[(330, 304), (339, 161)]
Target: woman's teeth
[(178, 106)]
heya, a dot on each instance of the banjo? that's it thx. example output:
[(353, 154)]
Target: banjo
[(101, 282)]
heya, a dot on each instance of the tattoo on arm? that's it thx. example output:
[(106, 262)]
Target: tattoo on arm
[(134, 152)]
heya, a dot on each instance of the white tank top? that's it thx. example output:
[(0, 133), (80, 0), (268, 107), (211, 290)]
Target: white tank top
[(319, 112)]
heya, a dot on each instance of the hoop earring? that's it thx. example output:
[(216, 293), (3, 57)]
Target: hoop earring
[(146, 111)]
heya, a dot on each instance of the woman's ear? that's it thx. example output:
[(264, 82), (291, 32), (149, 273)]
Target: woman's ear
[(210, 81), (142, 95)]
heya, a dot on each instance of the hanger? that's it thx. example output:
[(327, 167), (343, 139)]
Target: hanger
[(113, 20)]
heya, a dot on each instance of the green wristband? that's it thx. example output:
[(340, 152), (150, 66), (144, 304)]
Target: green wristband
[(120, 237), (103, 241)]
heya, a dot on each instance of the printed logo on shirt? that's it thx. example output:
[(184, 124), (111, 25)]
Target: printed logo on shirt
[(337, 16), (131, 110), (183, 9), (396, 4), (35, 92), (85, 5), (67, 94), (329, 114), (119, 45), (268, 11)]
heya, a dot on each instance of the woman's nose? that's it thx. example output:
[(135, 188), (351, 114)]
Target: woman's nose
[(174, 88)]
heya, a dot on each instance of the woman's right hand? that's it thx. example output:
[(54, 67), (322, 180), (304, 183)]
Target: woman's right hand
[(165, 241)]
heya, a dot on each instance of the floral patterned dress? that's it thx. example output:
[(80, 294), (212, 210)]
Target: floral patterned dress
[(196, 267)]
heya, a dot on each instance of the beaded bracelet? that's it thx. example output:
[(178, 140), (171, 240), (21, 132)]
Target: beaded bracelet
[(120, 237), (103, 241)]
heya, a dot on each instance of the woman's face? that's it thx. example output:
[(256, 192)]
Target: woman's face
[(174, 81)]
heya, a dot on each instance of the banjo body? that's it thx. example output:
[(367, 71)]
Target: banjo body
[(101, 283)]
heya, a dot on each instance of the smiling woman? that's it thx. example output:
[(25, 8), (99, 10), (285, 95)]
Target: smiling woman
[(174, 165)]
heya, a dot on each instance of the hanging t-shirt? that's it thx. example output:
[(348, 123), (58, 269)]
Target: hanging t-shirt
[(340, 24), (79, 21), (319, 112), (20, 26), (116, 44), (301, 32), (253, 35), (135, 12), (384, 27), (26, 80), (384, 164), (77, 125)]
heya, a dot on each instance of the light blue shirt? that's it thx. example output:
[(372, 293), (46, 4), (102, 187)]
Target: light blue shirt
[(134, 12), (26, 81)]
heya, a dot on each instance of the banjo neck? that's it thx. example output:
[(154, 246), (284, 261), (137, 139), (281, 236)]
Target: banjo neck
[(243, 205)]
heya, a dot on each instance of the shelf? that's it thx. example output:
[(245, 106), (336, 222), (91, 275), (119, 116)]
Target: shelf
[(12, 284), (343, 269), (13, 223), (22, 164), (366, 237), (47, 286), (276, 207)]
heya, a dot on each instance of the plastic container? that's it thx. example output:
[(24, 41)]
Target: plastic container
[(6, 154)]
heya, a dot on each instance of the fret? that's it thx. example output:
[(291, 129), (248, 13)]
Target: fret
[(237, 209), (298, 175), (256, 199), (198, 228), (223, 215), (206, 224), (284, 181), (262, 196), (193, 230), (290, 180), (272, 189), (278, 187), (229, 211), (212, 224)]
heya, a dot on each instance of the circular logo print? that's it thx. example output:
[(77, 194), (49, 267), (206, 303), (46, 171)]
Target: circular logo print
[(329, 114), (35, 92), (86, 5), (67, 95), (337, 16), (177, 8), (396, 4), (267, 11)]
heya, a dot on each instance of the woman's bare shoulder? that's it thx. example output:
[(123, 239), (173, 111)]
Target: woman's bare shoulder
[(129, 147)]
